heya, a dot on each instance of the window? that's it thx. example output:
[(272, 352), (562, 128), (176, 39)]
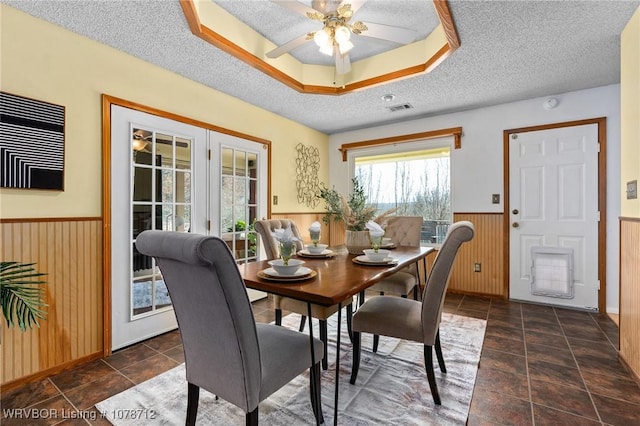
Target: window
[(416, 182)]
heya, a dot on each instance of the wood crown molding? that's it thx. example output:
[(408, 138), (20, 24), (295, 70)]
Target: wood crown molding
[(207, 34), (456, 132)]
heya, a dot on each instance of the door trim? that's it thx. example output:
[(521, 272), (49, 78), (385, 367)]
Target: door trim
[(602, 199), (107, 102)]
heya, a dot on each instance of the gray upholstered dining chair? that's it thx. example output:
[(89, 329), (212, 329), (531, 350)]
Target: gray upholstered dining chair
[(403, 231), (410, 319), (226, 352), (265, 229)]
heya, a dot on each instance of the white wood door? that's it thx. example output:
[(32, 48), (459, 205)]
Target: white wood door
[(553, 202), (158, 181), (239, 170)]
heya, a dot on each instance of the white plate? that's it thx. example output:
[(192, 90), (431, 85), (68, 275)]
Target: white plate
[(364, 259), (301, 272), (323, 253)]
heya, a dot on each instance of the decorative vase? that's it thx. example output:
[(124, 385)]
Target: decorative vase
[(356, 241), (287, 249)]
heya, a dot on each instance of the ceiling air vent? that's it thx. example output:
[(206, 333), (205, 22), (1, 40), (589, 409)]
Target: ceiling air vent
[(399, 107)]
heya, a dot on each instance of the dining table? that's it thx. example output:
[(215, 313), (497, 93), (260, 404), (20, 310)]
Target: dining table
[(333, 278)]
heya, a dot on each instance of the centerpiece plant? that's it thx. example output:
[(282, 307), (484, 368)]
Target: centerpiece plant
[(355, 212)]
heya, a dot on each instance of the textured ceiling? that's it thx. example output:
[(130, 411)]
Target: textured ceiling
[(509, 51)]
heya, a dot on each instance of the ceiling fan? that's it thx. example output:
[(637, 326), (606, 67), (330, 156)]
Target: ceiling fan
[(333, 38)]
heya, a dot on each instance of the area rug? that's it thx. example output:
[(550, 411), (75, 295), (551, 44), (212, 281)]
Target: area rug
[(391, 388)]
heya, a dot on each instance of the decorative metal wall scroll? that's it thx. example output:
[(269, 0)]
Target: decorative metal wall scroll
[(31, 143), (307, 167)]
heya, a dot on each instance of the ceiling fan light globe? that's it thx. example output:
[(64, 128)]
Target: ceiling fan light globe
[(322, 38), (327, 49), (345, 47), (139, 145), (342, 34)]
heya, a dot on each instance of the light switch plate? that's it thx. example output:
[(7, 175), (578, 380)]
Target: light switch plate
[(632, 189)]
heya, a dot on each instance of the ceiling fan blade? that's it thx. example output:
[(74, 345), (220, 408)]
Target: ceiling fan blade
[(388, 32), (343, 63), (355, 4), (296, 6), (288, 46)]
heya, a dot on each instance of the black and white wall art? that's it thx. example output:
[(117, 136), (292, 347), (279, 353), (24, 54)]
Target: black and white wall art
[(31, 143)]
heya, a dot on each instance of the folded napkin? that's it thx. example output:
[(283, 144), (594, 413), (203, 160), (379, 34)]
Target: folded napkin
[(375, 230), (284, 235), (315, 227)]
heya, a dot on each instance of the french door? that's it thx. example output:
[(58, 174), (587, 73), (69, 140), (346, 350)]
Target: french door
[(172, 176), (238, 194), (156, 178)]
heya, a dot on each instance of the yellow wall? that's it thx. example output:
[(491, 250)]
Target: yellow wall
[(630, 112), (630, 209), (45, 62)]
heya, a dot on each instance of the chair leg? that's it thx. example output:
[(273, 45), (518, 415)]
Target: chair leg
[(324, 339), (252, 418), (428, 363), (303, 319), (316, 398), (193, 395), (278, 316), (439, 354), (360, 298), (376, 340), (349, 317), (415, 292), (355, 364)]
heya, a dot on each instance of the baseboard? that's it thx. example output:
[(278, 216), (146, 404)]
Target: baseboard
[(612, 310), (8, 386)]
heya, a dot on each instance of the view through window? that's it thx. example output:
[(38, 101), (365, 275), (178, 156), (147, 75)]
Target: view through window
[(417, 183)]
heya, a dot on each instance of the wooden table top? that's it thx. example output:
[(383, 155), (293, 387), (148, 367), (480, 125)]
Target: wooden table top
[(337, 277)]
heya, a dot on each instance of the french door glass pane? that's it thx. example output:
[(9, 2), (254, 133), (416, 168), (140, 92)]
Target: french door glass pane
[(227, 161), (164, 182), (183, 187), (240, 191), (161, 199), (141, 220), (142, 184), (239, 201)]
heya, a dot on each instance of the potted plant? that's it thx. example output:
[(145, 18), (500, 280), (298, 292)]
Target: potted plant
[(21, 296), (354, 212)]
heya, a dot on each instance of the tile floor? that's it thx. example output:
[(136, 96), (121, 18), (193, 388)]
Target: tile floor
[(539, 366)]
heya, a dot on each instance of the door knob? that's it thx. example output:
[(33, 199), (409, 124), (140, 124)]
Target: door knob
[(516, 225), (515, 211)]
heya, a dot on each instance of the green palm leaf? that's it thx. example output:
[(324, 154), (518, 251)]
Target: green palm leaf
[(21, 295)]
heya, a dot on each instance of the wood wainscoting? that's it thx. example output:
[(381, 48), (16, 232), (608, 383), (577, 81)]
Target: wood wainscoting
[(630, 293), (486, 248), (69, 251)]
